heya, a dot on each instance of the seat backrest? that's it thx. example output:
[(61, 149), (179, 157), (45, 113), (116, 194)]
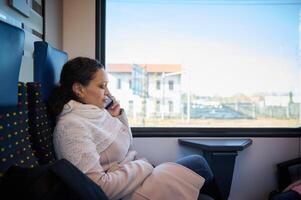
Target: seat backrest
[(48, 63), (40, 125), (15, 145), (11, 51)]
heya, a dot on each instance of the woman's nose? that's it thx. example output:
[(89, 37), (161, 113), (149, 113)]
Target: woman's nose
[(107, 93)]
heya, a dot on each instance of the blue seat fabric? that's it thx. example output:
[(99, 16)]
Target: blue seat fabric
[(48, 63), (11, 51)]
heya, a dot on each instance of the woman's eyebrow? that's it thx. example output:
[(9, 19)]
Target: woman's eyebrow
[(103, 82)]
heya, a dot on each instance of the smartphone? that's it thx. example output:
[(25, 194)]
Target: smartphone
[(108, 102)]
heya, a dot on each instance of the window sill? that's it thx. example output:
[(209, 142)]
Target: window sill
[(215, 132)]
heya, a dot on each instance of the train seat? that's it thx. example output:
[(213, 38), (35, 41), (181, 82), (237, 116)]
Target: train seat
[(21, 175), (15, 144), (48, 63)]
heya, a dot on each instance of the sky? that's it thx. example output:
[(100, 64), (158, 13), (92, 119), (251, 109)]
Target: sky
[(224, 48)]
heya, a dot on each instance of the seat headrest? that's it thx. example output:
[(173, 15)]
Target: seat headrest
[(11, 51), (48, 63)]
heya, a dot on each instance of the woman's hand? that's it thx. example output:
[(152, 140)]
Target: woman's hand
[(115, 109), (145, 160)]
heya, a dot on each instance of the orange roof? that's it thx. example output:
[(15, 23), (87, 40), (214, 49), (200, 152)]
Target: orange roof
[(119, 68), (149, 67)]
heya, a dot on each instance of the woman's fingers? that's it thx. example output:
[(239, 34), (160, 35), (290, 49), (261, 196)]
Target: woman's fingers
[(114, 110), (115, 105)]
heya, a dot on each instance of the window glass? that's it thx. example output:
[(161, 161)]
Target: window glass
[(118, 83), (158, 106), (206, 63), (170, 107), (158, 86), (170, 85), (130, 109)]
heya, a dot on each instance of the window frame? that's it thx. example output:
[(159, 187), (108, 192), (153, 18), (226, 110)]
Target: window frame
[(100, 31)]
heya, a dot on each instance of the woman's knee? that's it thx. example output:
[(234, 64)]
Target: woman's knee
[(201, 161), (198, 164)]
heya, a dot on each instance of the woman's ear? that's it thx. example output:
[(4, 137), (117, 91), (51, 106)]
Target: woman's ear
[(78, 90)]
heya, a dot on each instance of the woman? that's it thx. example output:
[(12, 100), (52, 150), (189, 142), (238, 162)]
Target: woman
[(98, 141)]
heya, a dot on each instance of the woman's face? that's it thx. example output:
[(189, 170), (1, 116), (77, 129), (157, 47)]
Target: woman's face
[(95, 92)]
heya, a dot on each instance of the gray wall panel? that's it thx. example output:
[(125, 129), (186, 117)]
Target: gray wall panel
[(53, 22), (26, 70)]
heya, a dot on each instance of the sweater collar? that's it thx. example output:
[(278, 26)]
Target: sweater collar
[(84, 110)]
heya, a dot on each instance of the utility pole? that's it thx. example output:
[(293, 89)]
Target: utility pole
[(188, 99), (144, 94), (163, 95)]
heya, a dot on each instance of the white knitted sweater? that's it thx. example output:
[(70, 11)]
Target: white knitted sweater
[(99, 145)]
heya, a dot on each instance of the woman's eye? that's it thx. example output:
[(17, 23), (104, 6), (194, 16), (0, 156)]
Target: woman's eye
[(103, 86)]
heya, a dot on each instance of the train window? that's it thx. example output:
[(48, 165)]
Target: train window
[(230, 63)]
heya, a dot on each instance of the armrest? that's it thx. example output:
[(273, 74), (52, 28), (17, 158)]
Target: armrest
[(221, 155), (289, 163), (283, 173)]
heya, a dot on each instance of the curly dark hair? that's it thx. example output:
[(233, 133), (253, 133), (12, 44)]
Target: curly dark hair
[(78, 70)]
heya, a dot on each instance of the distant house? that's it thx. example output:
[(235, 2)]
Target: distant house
[(147, 90)]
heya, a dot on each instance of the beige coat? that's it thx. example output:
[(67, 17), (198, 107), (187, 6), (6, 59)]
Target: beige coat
[(99, 145)]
